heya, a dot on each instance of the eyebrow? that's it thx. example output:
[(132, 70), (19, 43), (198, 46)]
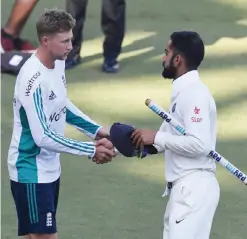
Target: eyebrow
[(67, 39)]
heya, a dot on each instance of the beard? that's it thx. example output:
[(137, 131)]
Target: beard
[(169, 71)]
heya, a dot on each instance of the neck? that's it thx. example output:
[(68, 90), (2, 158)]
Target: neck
[(180, 73), (45, 58)]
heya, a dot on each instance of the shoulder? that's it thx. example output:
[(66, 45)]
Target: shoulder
[(196, 96), (29, 77), (196, 91)]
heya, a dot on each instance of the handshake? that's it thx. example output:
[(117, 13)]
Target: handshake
[(104, 151), (127, 140)]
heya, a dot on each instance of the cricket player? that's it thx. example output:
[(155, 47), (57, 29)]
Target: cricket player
[(41, 109), (112, 24), (192, 184)]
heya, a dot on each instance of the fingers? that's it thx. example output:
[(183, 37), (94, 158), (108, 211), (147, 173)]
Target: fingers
[(139, 142), (135, 135), (109, 153), (137, 138), (103, 154), (105, 142), (102, 161)]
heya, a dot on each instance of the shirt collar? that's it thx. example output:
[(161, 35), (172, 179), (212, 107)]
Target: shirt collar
[(184, 80)]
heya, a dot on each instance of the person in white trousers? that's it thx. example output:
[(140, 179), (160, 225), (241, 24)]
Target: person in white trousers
[(192, 186)]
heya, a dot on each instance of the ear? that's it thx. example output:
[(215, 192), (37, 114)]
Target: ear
[(177, 60), (44, 40)]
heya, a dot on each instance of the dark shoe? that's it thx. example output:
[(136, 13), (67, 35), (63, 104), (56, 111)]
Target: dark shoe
[(23, 45), (6, 42), (70, 63), (10, 43), (110, 67)]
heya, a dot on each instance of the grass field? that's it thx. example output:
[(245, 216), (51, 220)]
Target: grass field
[(123, 199)]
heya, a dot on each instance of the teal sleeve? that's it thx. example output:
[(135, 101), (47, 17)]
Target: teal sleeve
[(80, 121)]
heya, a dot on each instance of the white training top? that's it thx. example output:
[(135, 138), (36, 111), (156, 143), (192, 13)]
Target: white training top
[(193, 106), (41, 109)]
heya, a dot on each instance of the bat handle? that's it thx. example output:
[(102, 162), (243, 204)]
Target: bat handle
[(147, 102)]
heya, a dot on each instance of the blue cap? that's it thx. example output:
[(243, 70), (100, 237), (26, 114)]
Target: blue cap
[(120, 136)]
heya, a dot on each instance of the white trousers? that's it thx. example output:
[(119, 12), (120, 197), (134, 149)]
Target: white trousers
[(191, 207)]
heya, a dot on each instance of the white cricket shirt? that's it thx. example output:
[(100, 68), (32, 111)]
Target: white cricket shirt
[(41, 109), (193, 106)]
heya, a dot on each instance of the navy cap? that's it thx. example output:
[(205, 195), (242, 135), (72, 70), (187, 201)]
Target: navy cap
[(120, 136)]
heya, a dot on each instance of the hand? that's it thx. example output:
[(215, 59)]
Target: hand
[(104, 151), (143, 137), (106, 143)]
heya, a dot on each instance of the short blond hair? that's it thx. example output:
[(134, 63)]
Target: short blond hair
[(53, 21)]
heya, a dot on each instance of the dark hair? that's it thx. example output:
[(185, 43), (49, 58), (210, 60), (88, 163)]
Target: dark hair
[(53, 21), (190, 45)]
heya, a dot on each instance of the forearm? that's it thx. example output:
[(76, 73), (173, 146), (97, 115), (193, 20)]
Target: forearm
[(184, 145), (57, 143), (81, 121)]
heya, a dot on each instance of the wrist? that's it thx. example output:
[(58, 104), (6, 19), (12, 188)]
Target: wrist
[(91, 156), (102, 133)]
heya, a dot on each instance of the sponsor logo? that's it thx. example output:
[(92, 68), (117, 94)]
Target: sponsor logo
[(215, 156), (196, 110), (30, 83), (179, 221), (174, 107), (52, 96), (229, 166), (49, 219), (161, 114), (195, 119), (64, 81), (14, 101), (236, 172), (56, 116)]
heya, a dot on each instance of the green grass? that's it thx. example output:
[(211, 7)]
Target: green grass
[(123, 199)]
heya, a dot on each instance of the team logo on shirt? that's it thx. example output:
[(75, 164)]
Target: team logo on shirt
[(52, 96), (196, 110), (196, 119), (14, 101), (57, 115), (64, 81), (30, 83), (174, 107), (49, 219)]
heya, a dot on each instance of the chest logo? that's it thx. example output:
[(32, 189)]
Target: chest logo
[(197, 111), (174, 107), (57, 115), (52, 96)]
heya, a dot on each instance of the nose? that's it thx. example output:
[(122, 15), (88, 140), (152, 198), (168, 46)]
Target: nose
[(69, 46)]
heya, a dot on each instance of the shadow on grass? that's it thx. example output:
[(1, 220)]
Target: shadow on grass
[(212, 19)]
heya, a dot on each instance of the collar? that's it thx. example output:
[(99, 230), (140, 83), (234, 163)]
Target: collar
[(184, 80)]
